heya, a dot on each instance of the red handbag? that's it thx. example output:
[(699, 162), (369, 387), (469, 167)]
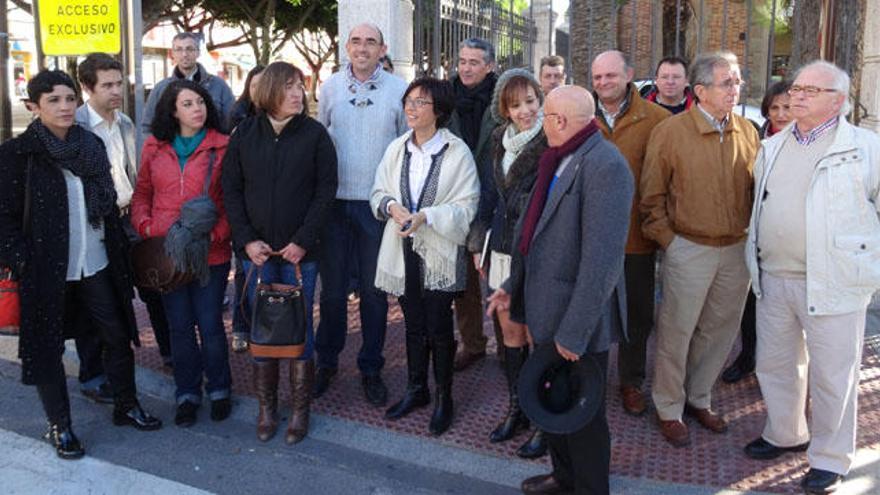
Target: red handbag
[(10, 310)]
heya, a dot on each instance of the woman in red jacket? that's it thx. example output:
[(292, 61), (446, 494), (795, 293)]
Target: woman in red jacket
[(169, 200)]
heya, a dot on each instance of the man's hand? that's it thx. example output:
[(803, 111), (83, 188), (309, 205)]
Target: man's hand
[(292, 253), (565, 353), (498, 301), (258, 252), (398, 214)]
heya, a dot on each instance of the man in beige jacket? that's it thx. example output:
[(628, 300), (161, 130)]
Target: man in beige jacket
[(696, 190)]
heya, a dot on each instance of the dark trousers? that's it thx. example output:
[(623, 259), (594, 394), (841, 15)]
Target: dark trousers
[(109, 339), (426, 313), (351, 223), (581, 460), (90, 350), (194, 306), (631, 353)]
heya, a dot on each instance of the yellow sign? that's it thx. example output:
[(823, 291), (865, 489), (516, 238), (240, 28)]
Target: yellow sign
[(78, 27)]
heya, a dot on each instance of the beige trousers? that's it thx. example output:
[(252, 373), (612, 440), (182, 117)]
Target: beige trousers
[(704, 292), (792, 346)]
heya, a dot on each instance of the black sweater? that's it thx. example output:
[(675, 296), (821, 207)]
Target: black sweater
[(279, 188)]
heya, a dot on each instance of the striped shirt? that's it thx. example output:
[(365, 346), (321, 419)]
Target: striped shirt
[(808, 138)]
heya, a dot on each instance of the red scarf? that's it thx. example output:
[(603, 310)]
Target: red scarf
[(547, 166)]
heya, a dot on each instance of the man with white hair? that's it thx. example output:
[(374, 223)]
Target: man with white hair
[(813, 253)]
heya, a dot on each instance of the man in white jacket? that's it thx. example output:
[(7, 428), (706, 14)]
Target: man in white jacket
[(814, 257)]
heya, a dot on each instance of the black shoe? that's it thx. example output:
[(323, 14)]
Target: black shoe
[(186, 414), (821, 481), (67, 446), (137, 417), (375, 390), (101, 395), (763, 450), (737, 371), (535, 446), (441, 420), (323, 377), (220, 409), (414, 398)]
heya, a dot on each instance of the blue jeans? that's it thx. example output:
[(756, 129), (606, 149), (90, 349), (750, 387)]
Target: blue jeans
[(241, 310), (279, 271), (351, 227), (187, 307)]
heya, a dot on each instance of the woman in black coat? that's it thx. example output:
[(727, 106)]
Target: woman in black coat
[(70, 256), (279, 181)]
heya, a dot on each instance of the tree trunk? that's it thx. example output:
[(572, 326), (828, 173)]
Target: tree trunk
[(805, 27), (848, 36)]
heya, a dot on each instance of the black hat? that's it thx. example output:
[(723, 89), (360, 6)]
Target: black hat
[(560, 396)]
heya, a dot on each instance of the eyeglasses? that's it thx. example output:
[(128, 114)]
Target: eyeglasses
[(809, 91), (184, 49), (729, 84), (417, 102)]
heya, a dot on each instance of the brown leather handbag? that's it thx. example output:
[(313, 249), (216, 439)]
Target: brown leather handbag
[(153, 269)]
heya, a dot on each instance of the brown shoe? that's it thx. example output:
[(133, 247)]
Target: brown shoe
[(464, 359), (706, 417), (633, 400), (302, 377), (266, 384), (544, 484), (674, 431)]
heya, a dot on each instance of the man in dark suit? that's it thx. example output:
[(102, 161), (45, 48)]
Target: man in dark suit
[(567, 280)]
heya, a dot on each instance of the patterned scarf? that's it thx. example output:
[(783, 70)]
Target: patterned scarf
[(81, 153), (547, 166)]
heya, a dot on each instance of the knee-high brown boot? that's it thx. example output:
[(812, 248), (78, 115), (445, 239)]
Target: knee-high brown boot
[(302, 377), (266, 378)]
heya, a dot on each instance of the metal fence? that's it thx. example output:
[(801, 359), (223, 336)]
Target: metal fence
[(441, 25)]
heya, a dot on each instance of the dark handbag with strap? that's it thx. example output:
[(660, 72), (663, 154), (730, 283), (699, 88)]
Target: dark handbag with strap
[(10, 308), (153, 268), (278, 324)]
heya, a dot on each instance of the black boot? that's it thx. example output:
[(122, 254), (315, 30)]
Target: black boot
[(443, 350), (514, 357), (535, 447), (416, 394), (56, 404)]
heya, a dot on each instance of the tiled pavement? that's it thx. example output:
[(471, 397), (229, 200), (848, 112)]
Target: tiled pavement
[(638, 450)]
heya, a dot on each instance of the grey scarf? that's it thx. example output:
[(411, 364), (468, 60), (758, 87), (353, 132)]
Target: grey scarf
[(188, 241)]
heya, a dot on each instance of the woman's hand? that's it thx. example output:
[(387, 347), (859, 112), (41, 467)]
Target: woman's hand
[(498, 301), (413, 223), (479, 266), (292, 253), (398, 214), (258, 252)]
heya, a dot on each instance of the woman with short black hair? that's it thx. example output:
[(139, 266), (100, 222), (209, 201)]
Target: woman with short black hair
[(427, 186), (178, 195), (61, 234)]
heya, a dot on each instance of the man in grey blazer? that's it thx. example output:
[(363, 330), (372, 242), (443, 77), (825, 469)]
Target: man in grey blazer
[(567, 281), (101, 77)]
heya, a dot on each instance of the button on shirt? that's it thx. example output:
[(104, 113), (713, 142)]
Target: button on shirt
[(111, 134), (420, 165), (86, 253)]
